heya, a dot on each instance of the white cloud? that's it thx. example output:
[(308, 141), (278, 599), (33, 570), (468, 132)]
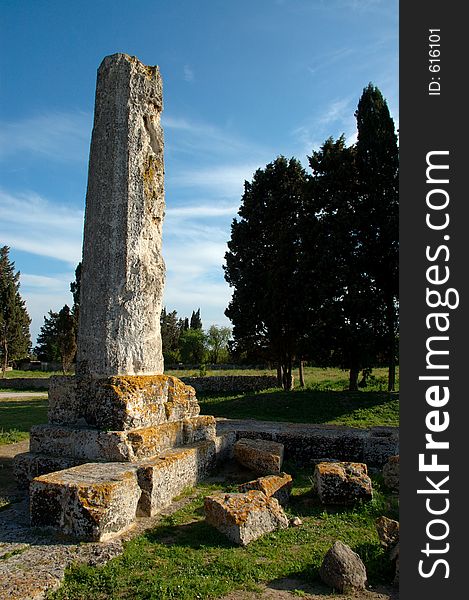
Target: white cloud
[(188, 74), (201, 211), (60, 136), (226, 181), (36, 225)]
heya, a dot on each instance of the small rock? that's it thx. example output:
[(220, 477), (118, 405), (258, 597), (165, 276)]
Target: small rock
[(388, 531), (275, 486), (391, 473), (244, 517), (342, 569), (295, 522), (342, 482), (261, 456)]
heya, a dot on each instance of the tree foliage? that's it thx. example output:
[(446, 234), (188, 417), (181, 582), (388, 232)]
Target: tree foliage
[(56, 341), (262, 264), (15, 339), (217, 340)]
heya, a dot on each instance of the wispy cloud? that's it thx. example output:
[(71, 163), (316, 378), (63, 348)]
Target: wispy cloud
[(189, 74), (36, 225), (222, 181), (60, 136)]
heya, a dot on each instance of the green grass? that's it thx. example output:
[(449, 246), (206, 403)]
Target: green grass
[(184, 558), (30, 374), (358, 409), (18, 414)]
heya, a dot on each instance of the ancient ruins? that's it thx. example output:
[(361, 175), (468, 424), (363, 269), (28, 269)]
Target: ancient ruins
[(122, 439)]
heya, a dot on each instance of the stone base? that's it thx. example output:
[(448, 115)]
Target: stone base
[(119, 446), (27, 466), (163, 478), (121, 402), (93, 502), (96, 501), (244, 517)]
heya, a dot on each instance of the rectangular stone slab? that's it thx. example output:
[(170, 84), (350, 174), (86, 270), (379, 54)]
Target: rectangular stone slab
[(342, 482), (261, 456), (275, 486), (117, 446), (92, 502)]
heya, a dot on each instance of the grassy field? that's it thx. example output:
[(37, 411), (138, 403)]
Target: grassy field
[(323, 400), (186, 559), (18, 414)]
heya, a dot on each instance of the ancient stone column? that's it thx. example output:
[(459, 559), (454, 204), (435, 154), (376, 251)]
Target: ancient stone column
[(123, 269)]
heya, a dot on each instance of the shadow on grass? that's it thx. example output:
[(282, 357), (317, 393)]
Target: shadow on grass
[(306, 406), (20, 414), (197, 534)]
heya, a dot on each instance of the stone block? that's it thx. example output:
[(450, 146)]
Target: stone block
[(91, 502), (391, 473), (163, 478), (273, 486), (342, 569), (27, 466), (122, 402), (261, 456), (244, 517), (342, 482)]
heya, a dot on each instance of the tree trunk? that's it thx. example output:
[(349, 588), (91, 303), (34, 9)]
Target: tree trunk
[(287, 375), (279, 375), (5, 358), (353, 379), (302, 374), (392, 349)]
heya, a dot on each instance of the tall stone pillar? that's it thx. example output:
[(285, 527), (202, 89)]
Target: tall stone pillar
[(123, 269)]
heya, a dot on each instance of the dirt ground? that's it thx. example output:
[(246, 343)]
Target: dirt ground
[(288, 589)]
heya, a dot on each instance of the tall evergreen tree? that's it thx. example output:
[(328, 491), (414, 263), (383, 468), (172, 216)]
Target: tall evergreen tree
[(377, 160), (346, 317), (262, 264), (15, 338), (75, 288), (66, 338), (171, 328), (47, 348), (196, 321)]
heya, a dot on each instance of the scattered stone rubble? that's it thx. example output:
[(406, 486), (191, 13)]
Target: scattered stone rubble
[(273, 486), (244, 517), (261, 456), (342, 569), (388, 533), (342, 482)]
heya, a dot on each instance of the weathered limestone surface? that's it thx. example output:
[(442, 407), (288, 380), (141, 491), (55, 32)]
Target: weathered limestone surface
[(342, 482), (27, 466), (273, 486), (342, 569), (92, 502), (163, 478), (121, 402), (261, 456), (388, 533), (131, 445), (244, 517), (391, 473), (123, 268)]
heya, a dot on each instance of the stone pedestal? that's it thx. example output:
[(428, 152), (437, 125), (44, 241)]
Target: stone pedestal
[(122, 437)]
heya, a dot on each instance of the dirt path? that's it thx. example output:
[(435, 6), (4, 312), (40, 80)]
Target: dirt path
[(288, 589), (4, 395)]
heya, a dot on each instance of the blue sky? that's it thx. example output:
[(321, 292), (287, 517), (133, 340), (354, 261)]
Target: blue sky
[(244, 81)]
